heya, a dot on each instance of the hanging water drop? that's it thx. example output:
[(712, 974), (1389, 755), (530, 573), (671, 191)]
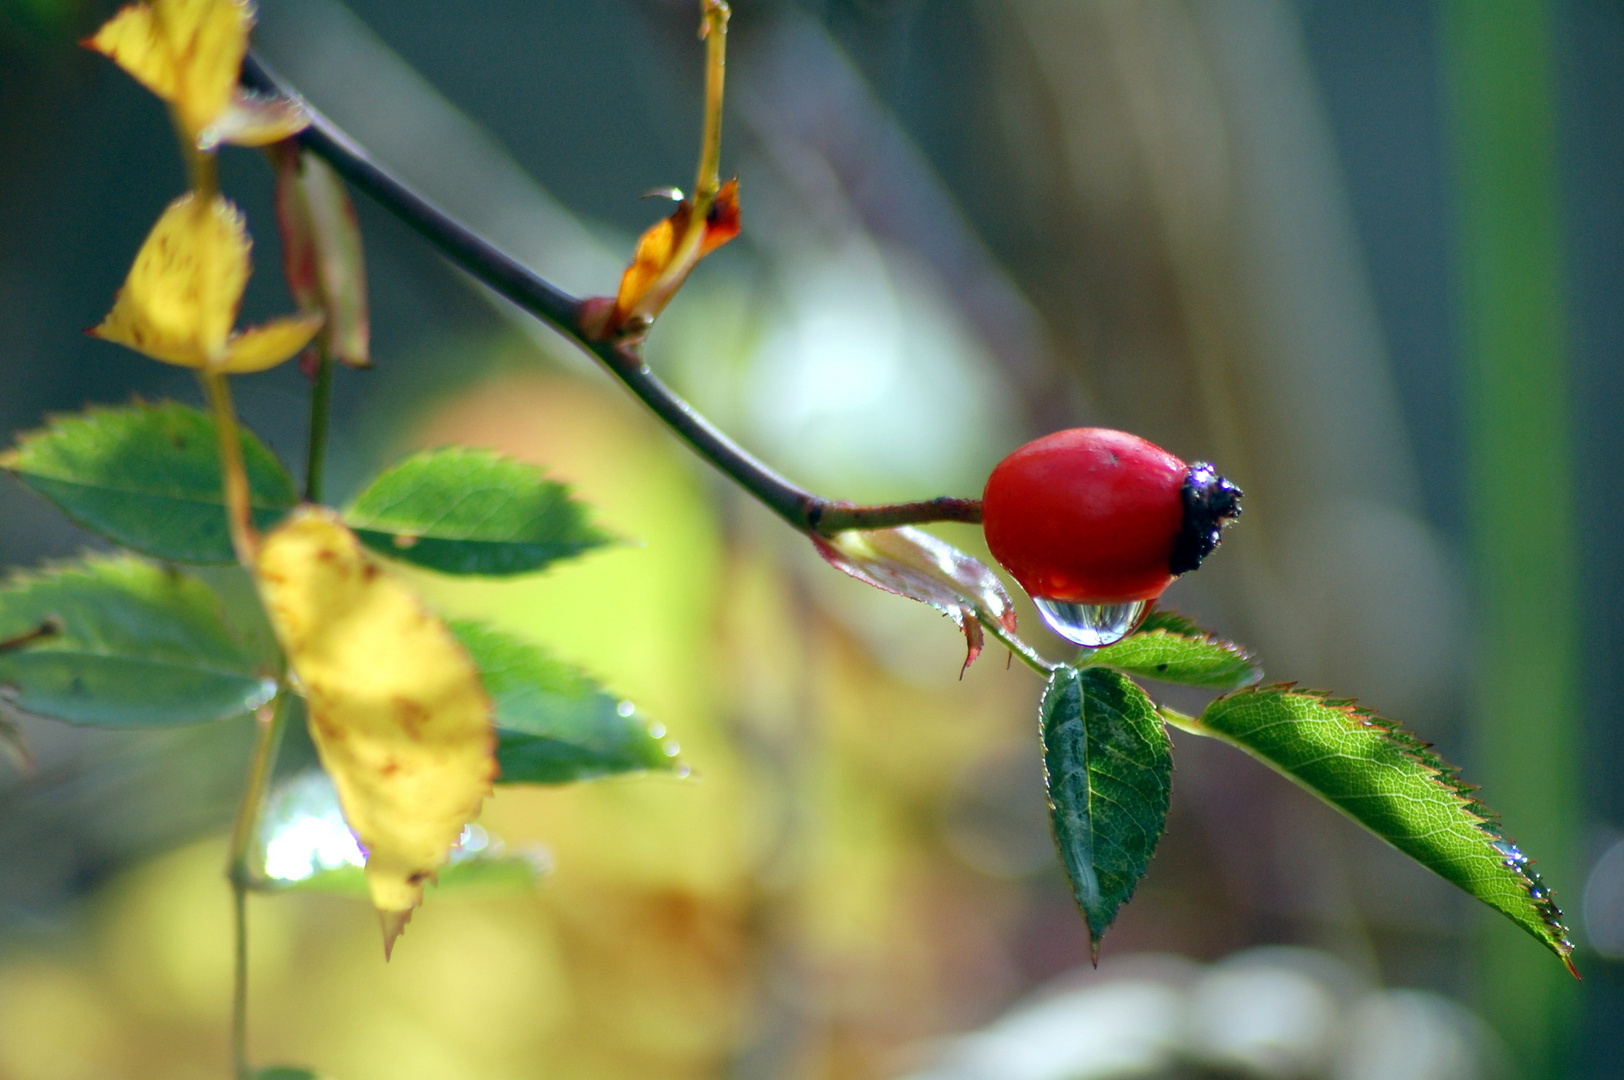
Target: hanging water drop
[(1093, 626), (1512, 857)]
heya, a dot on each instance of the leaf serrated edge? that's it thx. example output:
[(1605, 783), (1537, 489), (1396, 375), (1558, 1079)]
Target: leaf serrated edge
[(1443, 772), (1174, 624), (54, 422), (598, 535), (1102, 657)]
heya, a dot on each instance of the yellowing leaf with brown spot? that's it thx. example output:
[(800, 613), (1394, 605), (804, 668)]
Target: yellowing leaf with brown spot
[(188, 52), (181, 297), (397, 710)]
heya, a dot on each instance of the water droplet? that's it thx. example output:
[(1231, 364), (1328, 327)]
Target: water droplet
[(1513, 857), (672, 749), (656, 730), (625, 708), (1093, 626)]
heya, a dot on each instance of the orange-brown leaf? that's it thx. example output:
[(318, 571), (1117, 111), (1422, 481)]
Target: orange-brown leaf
[(722, 220), (666, 254), (649, 261)]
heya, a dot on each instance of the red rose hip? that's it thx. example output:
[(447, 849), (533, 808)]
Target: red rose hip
[(1096, 523)]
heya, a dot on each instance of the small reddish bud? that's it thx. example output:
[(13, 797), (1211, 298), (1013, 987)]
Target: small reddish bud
[(1094, 523)]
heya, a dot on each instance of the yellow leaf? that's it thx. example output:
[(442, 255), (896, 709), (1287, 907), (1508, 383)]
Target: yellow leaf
[(134, 41), (181, 297), (654, 250), (254, 120), (665, 256), (188, 52), (267, 345), (397, 710)]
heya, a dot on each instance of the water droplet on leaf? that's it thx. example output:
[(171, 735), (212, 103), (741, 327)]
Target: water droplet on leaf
[(1513, 857), (1093, 626)]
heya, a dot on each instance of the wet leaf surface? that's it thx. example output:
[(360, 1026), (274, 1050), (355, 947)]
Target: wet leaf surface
[(912, 563), (1171, 648), (1394, 785), (554, 724)]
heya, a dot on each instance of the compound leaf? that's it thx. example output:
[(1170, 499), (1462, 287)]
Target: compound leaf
[(1394, 785), (462, 511), (148, 477), (1171, 648), (554, 725), (1107, 765), (397, 711), (119, 642)]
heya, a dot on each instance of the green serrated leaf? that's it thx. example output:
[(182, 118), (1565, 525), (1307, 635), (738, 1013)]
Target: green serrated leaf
[(1108, 766), (554, 725), (462, 511), (1394, 785), (1170, 648), (148, 477), (125, 644), (285, 1072)]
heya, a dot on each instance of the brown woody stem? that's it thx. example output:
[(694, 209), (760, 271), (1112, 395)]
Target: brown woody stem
[(485, 262)]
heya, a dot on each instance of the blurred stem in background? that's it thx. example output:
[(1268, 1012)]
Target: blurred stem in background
[(1520, 486)]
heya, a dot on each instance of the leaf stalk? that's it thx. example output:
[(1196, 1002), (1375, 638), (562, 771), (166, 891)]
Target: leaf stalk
[(234, 475), (1016, 646), (321, 410), (271, 719)]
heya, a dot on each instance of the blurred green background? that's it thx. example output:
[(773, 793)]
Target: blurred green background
[(1366, 256)]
